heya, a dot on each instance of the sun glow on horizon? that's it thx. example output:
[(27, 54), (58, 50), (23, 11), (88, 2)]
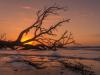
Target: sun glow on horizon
[(26, 38), (31, 43)]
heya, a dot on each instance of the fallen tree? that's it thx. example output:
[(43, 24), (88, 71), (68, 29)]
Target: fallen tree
[(40, 31)]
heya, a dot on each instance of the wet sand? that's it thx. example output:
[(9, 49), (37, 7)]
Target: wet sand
[(52, 68), (19, 68)]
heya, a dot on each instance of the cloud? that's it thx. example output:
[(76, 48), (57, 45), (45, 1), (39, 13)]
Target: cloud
[(26, 7)]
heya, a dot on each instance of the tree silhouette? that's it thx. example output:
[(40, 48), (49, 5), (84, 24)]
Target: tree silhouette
[(40, 31)]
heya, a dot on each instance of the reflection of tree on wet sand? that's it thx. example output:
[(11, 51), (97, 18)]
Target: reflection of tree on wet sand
[(75, 66)]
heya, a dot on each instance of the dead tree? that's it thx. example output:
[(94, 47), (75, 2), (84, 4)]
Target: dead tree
[(40, 31), (63, 40)]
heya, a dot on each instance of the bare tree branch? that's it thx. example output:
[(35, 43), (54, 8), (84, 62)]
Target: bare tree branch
[(41, 16), (40, 31)]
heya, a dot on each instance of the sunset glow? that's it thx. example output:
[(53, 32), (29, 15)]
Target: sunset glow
[(49, 37), (16, 15), (26, 38)]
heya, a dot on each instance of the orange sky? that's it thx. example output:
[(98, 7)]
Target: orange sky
[(15, 15)]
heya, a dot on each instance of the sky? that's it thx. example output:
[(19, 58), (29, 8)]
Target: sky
[(15, 15)]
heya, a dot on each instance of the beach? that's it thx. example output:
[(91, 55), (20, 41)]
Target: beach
[(17, 62)]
